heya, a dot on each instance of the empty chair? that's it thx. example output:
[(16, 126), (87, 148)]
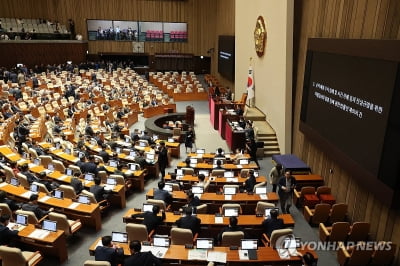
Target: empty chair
[(181, 236), (160, 203), (69, 191), (5, 209), (103, 176), (231, 205), (325, 195), (42, 188), (338, 213), (218, 172), (75, 169), (337, 232), (23, 180), (8, 173), (96, 263), (244, 172), (202, 209), (359, 231), (14, 256), (187, 171), (353, 255), (33, 153), (138, 232), (176, 134), (45, 160), (64, 224), (119, 179), (236, 187), (59, 166), (261, 206), (232, 238), (298, 197), (276, 234), (261, 184), (383, 253), (318, 215)]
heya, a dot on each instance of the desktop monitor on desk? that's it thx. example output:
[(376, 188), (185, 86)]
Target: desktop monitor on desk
[(36, 161), (67, 151), (58, 194), (120, 237), (244, 161), (193, 160), (89, 177), (83, 199), (81, 155), (179, 172), (171, 140), (229, 174), (261, 190), (50, 167), (118, 150), (200, 151), (147, 207), (142, 144), (14, 181), (230, 190), (197, 189), (249, 244), (161, 241), (34, 188), (113, 163), (111, 181), (150, 156), (69, 172), (21, 219), (132, 154), (49, 225), (231, 211), (168, 187), (204, 172), (204, 243), (133, 166)]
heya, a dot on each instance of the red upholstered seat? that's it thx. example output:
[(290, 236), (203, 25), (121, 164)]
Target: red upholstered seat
[(311, 200), (327, 198)]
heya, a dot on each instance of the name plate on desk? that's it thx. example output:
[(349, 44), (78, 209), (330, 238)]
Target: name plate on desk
[(219, 220), (3, 184), (228, 197), (74, 205), (263, 196), (44, 199), (63, 177), (239, 166), (231, 179)]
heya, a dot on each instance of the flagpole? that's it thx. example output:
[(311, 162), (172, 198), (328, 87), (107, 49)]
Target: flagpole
[(250, 59)]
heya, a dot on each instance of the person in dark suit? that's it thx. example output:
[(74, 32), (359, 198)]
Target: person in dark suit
[(250, 182), (7, 237), (189, 221), (162, 158), (104, 154), (161, 194), (140, 258), (31, 177), (233, 227), (151, 219), (11, 204), (33, 206), (286, 185), (90, 166), (220, 153), (109, 252), (76, 183), (193, 201), (98, 190), (272, 223)]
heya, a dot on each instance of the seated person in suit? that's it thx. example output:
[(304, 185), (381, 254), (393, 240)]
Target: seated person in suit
[(104, 154), (161, 194), (188, 221), (151, 219), (98, 190), (220, 153), (114, 254), (11, 204), (201, 178), (219, 165), (233, 227), (174, 181), (272, 223), (90, 166), (31, 177), (7, 237), (140, 258), (33, 206), (76, 183), (250, 182), (193, 201)]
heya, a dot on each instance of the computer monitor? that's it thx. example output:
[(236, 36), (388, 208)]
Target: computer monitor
[(150, 156), (155, 137), (231, 211), (249, 244), (256, 173), (118, 150), (111, 181), (127, 139), (69, 171), (59, 194), (200, 151), (179, 172), (49, 225), (230, 190), (81, 154), (170, 140), (197, 189), (142, 144), (58, 145), (14, 181), (147, 207), (36, 161), (132, 166), (261, 190), (34, 188), (267, 212), (204, 172), (229, 174), (244, 161), (25, 155), (50, 167), (22, 219), (120, 237), (161, 241), (67, 151), (113, 163), (132, 154), (168, 187), (204, 243), (89, 177), (83, 199), (193, 160)]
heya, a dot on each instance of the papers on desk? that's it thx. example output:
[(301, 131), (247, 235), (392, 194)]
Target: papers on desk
[(52, 148), (22, 161), (228, 197), (216, 256), (219, 220), (231, 179), (239, 166), (263, 196), (39, 234), (109, 187), (3, 184), (73, 205), (63, 177), (10, 154), (197, 254), (26, 194), (15, 226), (31, 165), (44, 199), (243, 254), (159, 252)]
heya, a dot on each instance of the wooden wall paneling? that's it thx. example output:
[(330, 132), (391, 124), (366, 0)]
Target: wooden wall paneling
[(370, 19), (393, 18)]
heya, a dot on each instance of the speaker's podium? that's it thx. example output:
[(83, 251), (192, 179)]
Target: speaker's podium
[(190, 115)]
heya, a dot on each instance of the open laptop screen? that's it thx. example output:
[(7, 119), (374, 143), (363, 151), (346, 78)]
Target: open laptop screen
[(14, 181), (147, 207), (261, 190), (83, 199), (204, 172), (161, 241), (34, 188), (22, 219), (132, 166), (229, 190), (229, 212), (59, 194), (69, 172), (113, 163), (228, 174), (119, 237), (49, 225), (197, 189), (249, 244), (243, 161), (204, 243)]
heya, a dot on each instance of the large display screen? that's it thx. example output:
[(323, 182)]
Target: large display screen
[(347, 109), (226, 56)]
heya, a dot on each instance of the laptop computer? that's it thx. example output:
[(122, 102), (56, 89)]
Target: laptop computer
[(170, 140), (197, 189), (36, 161), (231, 211), (89, 177), (251, 245), (243, 161), (132, 166), (230, 190), (119, 237), (113, 163), (200, 151), (21, 219), (179, 172), (204, 243), (69, 172), (204, 172), (34, 188), (261, 190), (193, 160), (229, 174), (14, 181), (161, 241), (59, 194), (168, 187), (25, 155), (49, 225), (118, 150), (83, 199), (147, 207)]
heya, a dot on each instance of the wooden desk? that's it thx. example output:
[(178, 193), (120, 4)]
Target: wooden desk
[(211, 156), (236, 139), (227, 166), (179, 254), (308, 180), (53, 244), (89, 214), (157, 110), (223, 117)]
